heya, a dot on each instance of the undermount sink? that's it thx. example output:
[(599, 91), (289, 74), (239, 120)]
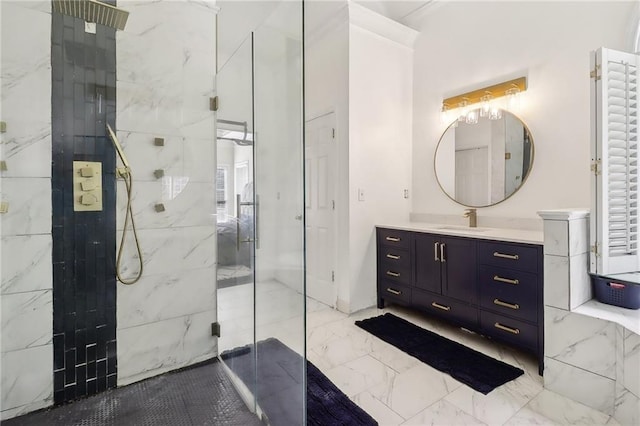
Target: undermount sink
[(462, 228)]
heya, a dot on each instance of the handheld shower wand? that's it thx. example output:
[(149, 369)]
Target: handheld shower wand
[(125, 173)]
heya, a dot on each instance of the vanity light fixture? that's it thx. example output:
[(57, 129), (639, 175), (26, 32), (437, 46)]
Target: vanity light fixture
[(487, 96)]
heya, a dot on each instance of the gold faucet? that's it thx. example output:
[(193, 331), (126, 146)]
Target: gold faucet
[(473, 218)]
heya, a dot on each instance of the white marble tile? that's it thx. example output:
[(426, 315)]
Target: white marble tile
[(200, 159), (578, 236), (376, 409), (24, 409), (392, 356), (145, 108), (360, 374), (556, 237), (26, 91), (145, 157), (26, 263), (27, 320), (581, 341), (171, 250), (38, 5), (26, 377), (500, 404), (583, 386), (627, 409), (631, 374), (613, 422), (153, 58), (563, 410), (527, 416), (628, 318), (29, 206), (442, 413), (344, 349), (407, 394), (186, 203), (556, 281), (155, 348), (323, 317), (579, 282), (159, 297)]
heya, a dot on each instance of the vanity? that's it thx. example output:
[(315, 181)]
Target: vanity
[(489, 281)]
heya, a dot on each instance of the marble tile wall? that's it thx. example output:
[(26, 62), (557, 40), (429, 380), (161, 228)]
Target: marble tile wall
[(589, 359), (26, 357), (165, 70)]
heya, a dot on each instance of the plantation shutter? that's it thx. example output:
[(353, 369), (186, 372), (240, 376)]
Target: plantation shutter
[(614, 229)]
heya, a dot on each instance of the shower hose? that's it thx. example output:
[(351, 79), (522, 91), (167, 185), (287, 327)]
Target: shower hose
[(128, 181)]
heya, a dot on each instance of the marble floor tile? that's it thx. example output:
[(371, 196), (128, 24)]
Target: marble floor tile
[(376, 409), (527, 416), (360, 374), (442, 413), (564, 410)]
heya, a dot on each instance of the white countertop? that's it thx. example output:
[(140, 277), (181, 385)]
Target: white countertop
[(499, 234), (628, 318)]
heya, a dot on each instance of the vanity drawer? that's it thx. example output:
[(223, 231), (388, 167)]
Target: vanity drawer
[(508, 329), (394, 292), (395, 273), (511, 256), (445, 307), (393, 257), (394, 238), (509, 292)]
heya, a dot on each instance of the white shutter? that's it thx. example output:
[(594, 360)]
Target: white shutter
[(614, 229)]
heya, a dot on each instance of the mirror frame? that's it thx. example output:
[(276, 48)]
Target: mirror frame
[(524, 178)]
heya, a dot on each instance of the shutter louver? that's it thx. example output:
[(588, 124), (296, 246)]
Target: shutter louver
[(614, 229), (623, 158)]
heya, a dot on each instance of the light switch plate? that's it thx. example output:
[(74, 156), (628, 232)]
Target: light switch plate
[(92, 184)]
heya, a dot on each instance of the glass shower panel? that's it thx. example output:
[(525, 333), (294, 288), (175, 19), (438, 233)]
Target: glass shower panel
[(235, 217), (279, 272)]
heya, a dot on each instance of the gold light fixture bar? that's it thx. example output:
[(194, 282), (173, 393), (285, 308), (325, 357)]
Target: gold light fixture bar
[(496, 91)]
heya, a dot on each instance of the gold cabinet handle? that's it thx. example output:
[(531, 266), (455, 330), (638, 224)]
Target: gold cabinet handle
[(393, 274), (439, 306), (392, 291), (505, 328), (505, 304), (394, 239), (442, 259), (506, 256), (505, 280), (393, 256), (435, 251)]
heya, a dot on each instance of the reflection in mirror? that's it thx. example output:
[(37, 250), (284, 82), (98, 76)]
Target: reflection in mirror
[(482, 164)]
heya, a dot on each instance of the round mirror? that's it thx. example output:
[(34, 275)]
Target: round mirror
[(483, 163)]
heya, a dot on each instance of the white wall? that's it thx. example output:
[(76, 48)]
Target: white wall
[(166, 69), (380, 119), (465, 46), (26, 300), (327, 90)]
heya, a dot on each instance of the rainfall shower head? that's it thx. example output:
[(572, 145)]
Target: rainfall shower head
[(93, 11)]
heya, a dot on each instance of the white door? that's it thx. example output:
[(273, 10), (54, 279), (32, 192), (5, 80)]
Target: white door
[(320, 170), (472, 176)]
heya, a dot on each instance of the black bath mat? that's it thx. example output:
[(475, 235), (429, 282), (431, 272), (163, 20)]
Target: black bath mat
[(475, 369), (278, 385)]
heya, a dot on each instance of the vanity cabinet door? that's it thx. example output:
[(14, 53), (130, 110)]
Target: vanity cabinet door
[(428, 265), (459, 269)]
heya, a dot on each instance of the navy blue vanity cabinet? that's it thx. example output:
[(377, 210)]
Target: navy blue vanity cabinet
[(395, 266), (446, 276), (510, 285)]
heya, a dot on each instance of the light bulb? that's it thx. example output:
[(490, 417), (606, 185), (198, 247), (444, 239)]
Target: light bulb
[(513, 99), (463, 109), (472, 116), (495, 113), (486, 105)]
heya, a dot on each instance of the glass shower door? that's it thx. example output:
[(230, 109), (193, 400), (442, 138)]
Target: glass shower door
[(235, 217), (260, 215)]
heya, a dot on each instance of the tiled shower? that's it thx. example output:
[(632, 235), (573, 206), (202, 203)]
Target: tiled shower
[(69, 329)]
